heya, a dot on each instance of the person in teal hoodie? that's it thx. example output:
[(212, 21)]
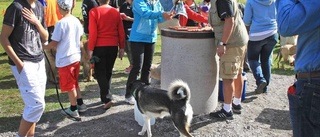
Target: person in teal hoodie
[(301, 17), (260, 19), (143, 35)]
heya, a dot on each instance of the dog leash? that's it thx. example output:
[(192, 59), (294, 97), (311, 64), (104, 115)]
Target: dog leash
[(57, 91)]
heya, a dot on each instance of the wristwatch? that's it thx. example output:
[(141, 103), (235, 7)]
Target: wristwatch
[(222, 44)]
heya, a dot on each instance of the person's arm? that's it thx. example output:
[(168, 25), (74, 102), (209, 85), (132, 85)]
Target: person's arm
[(4, 38), (122, 37), (73, 5), (297, 17), (122, 9), (127, 18), (121, 34), (227, 13), (247, 17), (93, 32), (227, 29), (141, 7), (52, 45), (196, 16), (31, 17)]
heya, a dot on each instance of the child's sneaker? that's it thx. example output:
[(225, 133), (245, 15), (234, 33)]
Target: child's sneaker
[(82, 108), (236, 108), (222, 114), (68, 112)]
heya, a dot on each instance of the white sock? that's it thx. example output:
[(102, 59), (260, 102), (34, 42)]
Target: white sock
[(227, 107), (236, 101)]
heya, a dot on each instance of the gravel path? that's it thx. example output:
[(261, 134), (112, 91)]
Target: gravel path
[(264, 115)]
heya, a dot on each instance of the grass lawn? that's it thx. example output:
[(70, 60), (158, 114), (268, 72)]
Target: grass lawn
[(11, 103)]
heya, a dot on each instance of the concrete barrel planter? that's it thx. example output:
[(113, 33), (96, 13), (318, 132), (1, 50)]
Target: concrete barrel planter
[(191, 57)]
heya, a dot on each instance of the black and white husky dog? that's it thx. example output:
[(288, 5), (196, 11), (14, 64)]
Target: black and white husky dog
[(158, 103)]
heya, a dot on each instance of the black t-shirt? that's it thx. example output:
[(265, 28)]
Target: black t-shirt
[(126, 9), (25, 38), (87, 5), (225, 9), (116, 3)]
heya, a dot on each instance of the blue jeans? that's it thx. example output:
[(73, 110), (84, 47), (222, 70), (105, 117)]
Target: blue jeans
[(304, 108), (259, 54), (142, 56)]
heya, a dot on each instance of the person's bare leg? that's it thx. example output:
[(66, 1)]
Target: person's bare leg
[(78, 93), (73, 97), (238, 83), (26, 128), (228, 88), (32, 130)]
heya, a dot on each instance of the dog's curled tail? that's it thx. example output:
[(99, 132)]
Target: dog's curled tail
[(179, 89)]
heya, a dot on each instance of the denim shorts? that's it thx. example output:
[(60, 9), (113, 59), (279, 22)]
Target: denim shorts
[(304, 108)]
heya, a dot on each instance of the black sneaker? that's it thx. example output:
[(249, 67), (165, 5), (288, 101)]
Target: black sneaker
[(260, 88), (236, 108), (222, 114)]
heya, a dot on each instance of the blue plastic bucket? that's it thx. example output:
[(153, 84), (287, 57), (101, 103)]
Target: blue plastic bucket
[(243, 97)]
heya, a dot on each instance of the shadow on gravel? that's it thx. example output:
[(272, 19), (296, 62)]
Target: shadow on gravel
[(277, 119), (9, 124), (121, 124), (250, 96), (118, 124), (12, 123)]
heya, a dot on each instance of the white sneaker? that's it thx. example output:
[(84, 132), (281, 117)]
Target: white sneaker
[(82, 108), (130, 100), (68, 112)]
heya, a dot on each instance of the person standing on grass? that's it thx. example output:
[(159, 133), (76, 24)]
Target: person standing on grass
[(260, 19), (106, 39), (231, 39), (143, 35), (52, 15), (301, 17), (66, 39), (127, 20), (22, 33), (87, 5)]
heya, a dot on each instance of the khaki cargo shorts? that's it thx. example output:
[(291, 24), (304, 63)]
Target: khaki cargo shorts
[(231, 63)]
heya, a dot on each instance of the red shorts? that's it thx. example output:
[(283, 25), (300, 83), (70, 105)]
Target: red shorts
[(69, 77)]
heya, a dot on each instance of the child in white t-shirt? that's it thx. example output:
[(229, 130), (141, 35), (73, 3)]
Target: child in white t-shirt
[(66, 39)]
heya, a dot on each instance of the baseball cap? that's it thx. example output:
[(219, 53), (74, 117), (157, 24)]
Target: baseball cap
[(65, 4)]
